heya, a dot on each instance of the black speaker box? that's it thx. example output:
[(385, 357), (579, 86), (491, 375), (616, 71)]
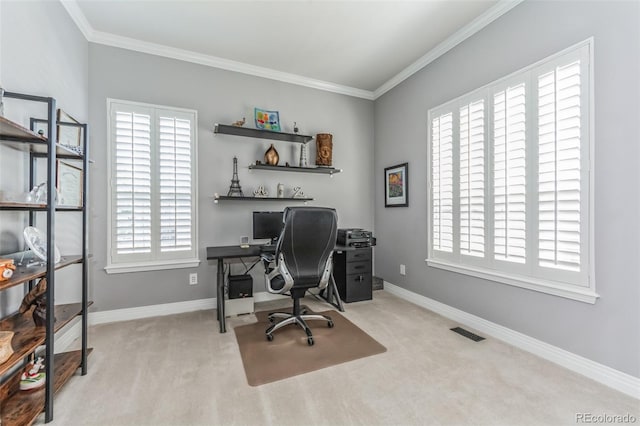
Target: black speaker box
[(240, 286)]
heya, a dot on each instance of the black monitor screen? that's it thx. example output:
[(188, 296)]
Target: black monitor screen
[(267, 225)]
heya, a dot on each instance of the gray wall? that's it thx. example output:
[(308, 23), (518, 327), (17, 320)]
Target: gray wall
[(223, 96), (43, 53), (607, 332)]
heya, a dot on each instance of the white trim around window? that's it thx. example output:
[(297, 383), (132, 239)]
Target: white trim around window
[(510, 179), (152, 191)]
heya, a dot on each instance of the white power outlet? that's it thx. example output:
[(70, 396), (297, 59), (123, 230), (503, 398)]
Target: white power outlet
[(403, 270), (193, 278)]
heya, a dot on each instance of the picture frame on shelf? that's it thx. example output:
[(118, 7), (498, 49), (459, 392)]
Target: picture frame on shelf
[(267, 120), (69, 184), (68, 135), (396, 186)]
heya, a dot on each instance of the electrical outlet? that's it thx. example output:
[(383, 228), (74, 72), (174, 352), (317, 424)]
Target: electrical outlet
[(193, 278), (403, 270)]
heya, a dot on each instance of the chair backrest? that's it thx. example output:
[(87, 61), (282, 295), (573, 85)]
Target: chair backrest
[(306, 245)]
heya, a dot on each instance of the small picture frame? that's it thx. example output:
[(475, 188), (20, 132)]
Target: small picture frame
[(69, 184), (69, 130), (396, 186), (267, 120)]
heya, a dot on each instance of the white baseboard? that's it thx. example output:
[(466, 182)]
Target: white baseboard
[(608, 376), (66, 337)]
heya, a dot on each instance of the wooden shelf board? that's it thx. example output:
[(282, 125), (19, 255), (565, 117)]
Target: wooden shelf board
[(22, 274), (13, 205), (225, 198), (10, 130), (27, 336), (260, 133), (23, 407), (321, 170)]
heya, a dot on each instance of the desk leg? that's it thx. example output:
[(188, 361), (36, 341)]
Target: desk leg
[(330, 294), (220, 284)]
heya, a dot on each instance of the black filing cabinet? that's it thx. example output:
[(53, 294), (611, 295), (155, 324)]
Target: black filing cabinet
[(352, 273)]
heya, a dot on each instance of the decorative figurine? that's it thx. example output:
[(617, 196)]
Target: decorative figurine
[(33, 376), (235, 190), (324, 149), (297, 192), (261, 192), (280, 190), (271, 157), (303, 155), (37, 296), (239, 123), (295, 128)]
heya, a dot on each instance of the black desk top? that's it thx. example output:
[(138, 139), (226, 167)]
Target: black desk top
[(221, 252)]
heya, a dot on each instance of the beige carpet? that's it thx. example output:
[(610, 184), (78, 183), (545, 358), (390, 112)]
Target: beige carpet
[(289, 354)]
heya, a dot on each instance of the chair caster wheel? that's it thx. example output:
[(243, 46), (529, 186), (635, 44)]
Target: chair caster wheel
[(270, 337), (330, 324), (310, 341)]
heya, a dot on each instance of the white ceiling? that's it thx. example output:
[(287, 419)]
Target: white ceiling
[(354, 47)]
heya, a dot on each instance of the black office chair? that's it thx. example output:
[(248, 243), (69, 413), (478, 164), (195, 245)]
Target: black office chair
[(303, 260)]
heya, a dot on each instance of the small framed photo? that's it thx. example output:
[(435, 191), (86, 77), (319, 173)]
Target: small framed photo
[(396, 186), (267, 120), (69, 130), (69, 183)]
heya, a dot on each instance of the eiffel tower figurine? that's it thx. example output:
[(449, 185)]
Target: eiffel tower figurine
[(235, 190)]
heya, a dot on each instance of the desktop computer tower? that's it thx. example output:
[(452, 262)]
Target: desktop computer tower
[(240, 295)]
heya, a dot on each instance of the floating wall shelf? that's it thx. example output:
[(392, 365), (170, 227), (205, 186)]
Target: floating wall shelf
[(320, 170), (260, 134), (226, 198)]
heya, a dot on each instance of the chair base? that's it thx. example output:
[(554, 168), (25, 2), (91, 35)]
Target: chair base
[(299, 319)]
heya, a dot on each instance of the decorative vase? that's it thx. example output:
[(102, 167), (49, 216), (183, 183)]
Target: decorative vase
[(324, 149), (271, 157), (5, 345)]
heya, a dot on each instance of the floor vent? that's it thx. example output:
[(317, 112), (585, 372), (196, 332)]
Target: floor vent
[(466, 333)]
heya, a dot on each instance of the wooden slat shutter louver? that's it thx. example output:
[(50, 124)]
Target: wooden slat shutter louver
[(132, 183), (559, 163), (175, 184), (442, 182), (472, 187), (509, 169)]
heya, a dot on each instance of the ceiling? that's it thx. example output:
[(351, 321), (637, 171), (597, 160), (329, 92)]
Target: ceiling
[(353, 47)]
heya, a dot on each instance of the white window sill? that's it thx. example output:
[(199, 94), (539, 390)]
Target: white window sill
[(151, 266), (581, 294)]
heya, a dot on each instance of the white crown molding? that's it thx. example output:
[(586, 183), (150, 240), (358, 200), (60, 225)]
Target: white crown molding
[(502, 7), (78, 17), (108, 39), (608, 376)]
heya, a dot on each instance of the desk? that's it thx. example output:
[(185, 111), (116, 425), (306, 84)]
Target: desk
[(229, 252)]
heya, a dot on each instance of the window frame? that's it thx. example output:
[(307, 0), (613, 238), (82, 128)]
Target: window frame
[(551, 281), (155, 260)]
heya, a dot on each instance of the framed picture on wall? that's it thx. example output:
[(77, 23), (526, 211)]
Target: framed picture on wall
[(69, 134), (396, 186)]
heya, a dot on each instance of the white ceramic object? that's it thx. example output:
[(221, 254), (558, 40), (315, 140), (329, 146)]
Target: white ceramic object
[(37, 242)]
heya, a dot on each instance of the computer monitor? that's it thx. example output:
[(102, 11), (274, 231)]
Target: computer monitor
[(267, 225)]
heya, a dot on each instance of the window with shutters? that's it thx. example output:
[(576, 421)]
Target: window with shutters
[(152, 191), (510, 179)]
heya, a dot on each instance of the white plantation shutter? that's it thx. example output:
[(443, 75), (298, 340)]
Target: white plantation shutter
[(472, 172), (559, 131), (509, 174), (153, 188), (132, 183), (175, 184), (442, 182)]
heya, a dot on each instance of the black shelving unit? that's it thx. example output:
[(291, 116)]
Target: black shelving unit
[(260, 133), (19, 407)]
